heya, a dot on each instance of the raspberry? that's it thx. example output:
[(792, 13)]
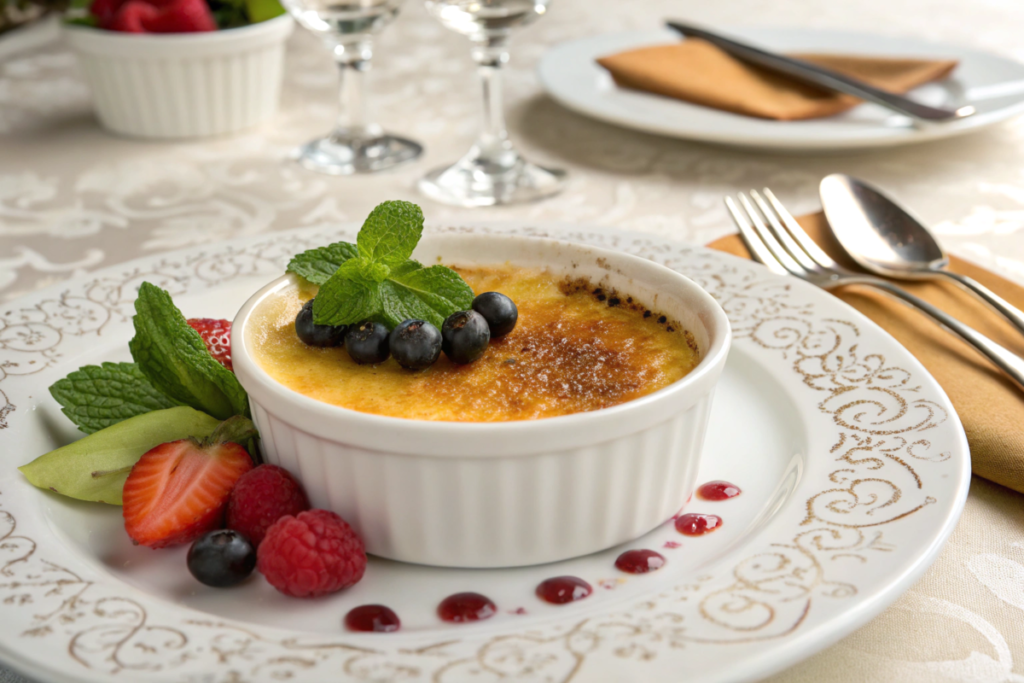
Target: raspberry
[(182, 16), (132, 16), (311, 554), (216, 335), (261, 497)]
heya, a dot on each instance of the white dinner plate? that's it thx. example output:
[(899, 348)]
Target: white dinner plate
[(853, 466), (993, 84)]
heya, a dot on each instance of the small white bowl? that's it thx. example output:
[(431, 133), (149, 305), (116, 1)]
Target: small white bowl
[(183, 85), (508, 493)]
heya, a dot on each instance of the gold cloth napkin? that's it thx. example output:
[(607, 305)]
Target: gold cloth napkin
[(696, 71), (990, 405)]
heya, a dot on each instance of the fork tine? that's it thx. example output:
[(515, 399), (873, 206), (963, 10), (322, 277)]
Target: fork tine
[(769, 240), (754, 244), (798, 234), (782, 235)]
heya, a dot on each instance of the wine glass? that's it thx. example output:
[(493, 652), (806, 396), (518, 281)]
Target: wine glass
[(356, 145), (492, 172)]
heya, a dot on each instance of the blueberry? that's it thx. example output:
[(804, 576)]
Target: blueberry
[(367, 343), (465, 336), (415, 344), (317, 335), (221, 558), (499, 311)]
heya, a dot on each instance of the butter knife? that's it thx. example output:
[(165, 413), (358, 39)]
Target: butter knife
[(824, 78)]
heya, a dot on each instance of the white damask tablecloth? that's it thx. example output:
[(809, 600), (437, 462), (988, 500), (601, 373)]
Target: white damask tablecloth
[(73, 198)]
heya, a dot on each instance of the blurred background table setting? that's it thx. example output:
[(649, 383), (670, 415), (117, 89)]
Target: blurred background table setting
[(133, 129)]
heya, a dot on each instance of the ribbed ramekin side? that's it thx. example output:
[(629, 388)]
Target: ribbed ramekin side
[(183, 96), (495, 512)]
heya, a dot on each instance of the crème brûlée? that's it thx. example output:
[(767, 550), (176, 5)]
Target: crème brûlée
[(576, 347)]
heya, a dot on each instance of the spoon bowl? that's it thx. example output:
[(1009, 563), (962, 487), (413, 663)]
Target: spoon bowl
[(877, 233), (884, 239)]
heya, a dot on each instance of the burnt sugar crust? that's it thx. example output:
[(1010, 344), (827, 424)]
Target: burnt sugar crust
[(577, 347)]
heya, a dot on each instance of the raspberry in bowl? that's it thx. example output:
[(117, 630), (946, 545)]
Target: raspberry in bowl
[(579, 430)]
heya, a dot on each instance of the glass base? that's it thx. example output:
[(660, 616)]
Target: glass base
[(473, 182), (338, 154)]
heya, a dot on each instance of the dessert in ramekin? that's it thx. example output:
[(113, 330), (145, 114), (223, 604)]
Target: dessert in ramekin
[(511, 491)]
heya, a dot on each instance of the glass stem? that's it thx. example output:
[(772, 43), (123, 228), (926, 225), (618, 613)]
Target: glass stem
[(354, 118), (493, 149)]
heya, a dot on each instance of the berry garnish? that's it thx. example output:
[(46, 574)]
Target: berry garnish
[(367, 343), (499, 311), (216, 335), (104, 11), (261, 497), (465, 335), (174, 16), (178, 491), (221, 558), (317, 335), (314, 553), (415, 344)]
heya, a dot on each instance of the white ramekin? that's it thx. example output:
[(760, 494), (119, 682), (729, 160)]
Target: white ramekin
[(183, 85), (510, 493)]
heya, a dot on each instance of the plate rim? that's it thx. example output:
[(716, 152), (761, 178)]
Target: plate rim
[(548, 66), (790, 650)]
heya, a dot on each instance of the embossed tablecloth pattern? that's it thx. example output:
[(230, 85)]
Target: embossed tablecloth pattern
[(73, 198)]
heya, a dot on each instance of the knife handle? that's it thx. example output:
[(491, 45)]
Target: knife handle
[(822, 77)]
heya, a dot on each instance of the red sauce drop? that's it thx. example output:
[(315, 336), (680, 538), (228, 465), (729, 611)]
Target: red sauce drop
[(639, 561), (563, 589), (463, 607), (718, 490), (376, 618), (672, 544), (693, 524)]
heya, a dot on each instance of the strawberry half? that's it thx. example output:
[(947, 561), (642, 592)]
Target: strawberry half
[(178, 491), (216, 335)]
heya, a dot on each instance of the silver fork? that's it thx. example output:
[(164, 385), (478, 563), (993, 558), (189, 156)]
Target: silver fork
[(775, 239)]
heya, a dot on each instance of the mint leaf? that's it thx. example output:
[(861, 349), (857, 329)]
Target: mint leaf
[(95, 467), (318, 265), (390, 233), (174, 358), (261, 10), (430, 294), (97, 396), (348, 297)]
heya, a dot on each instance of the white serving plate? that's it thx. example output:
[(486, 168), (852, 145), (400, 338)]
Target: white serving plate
[(993, 84), (853, 464)]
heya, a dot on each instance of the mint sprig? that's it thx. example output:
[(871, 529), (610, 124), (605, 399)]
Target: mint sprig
[(97, 396), (390, 233), (376, 279), (318, 265), (174, 358)]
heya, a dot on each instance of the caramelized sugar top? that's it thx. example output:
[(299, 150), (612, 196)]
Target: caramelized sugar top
[(575, 348)]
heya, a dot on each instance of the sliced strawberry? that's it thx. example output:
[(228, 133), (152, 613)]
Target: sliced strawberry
[(132, 16), (179, 490), (182, 16), (216, 335)]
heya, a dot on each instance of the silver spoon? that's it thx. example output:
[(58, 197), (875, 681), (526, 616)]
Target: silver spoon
[(886, 240)]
